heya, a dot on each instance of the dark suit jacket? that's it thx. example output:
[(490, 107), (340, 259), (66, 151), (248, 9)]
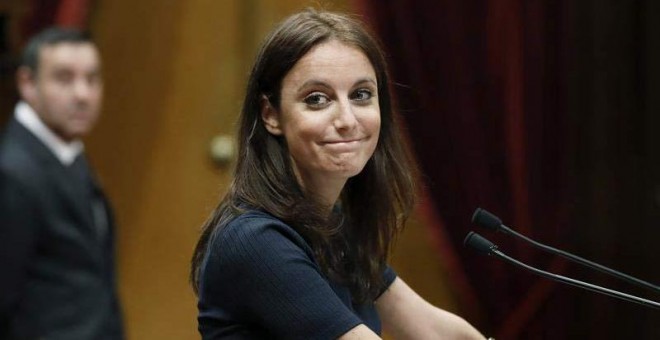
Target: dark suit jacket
[(57, 277)]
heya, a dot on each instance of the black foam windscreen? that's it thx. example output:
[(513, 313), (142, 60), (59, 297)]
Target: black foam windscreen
[(486, 220), (479, 243)]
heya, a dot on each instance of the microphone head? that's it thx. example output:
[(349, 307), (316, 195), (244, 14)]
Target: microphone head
[(479, 243), (486, 220)]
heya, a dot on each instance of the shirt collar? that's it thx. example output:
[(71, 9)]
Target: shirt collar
[(65, 152)]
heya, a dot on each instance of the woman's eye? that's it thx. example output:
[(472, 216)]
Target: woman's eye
[(316, 100), (361, 95)]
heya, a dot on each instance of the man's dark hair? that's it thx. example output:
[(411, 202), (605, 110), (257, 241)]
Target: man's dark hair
[(48, 37)]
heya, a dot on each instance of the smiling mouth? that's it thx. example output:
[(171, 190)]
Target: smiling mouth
[(350, 145), (348, 141)]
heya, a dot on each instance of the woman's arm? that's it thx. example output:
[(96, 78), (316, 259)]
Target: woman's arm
[(359, 332), (405, 315)]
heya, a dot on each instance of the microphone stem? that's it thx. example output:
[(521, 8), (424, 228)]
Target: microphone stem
[(578, 283), (583, 261)]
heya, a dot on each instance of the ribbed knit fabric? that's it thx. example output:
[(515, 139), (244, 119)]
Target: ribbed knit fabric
[(259, 280)]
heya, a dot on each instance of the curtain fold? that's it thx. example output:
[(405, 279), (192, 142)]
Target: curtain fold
[(539, 112), (45, 13), (72, 13)]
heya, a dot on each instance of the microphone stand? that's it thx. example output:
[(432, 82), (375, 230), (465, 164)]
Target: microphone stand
[(484, 246), (487, 220)]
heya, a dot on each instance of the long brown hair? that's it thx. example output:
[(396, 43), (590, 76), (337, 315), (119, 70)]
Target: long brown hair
[(374, 203)]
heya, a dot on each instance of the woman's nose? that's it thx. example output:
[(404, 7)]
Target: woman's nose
[(345, 118)]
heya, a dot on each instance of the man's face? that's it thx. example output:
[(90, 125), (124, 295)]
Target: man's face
[(67, 89)]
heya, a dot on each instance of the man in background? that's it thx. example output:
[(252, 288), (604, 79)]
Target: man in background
[(57, 275)]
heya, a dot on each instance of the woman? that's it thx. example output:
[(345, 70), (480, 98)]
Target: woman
[(297, 248)]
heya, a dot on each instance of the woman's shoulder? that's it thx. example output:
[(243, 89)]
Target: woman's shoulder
[(253, 222), (254, 244), (256, 228)]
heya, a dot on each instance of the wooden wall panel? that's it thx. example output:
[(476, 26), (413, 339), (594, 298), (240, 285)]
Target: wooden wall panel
[(170, 86)]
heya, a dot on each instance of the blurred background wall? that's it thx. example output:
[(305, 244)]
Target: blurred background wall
[(174, 73), (543, 112)]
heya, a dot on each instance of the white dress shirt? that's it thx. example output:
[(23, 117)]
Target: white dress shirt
[(65, 152)]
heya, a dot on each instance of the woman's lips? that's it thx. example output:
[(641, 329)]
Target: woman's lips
[(344, 145)]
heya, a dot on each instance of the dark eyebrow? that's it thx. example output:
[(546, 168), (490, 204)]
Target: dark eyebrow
[(312, 82), (316, 82), (366, 80)]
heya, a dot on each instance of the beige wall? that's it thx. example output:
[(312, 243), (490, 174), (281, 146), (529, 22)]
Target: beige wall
[(175, 72)]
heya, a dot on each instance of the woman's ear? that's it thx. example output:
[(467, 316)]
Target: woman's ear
[(270, 117)]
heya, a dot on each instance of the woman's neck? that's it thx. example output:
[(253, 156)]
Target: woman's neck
[(325, 188)]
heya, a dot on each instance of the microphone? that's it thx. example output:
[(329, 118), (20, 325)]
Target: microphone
[(487, 220), (483, 246)]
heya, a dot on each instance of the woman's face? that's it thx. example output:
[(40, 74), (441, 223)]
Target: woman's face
[(329, 113)]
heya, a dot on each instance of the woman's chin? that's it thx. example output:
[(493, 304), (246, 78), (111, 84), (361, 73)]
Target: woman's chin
[(346, 170)]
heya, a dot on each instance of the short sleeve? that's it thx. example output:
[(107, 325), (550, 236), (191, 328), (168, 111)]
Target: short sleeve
[(259, 273), (389, 275)]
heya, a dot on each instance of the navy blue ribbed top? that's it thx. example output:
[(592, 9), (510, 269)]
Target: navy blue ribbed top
[(259, 280)]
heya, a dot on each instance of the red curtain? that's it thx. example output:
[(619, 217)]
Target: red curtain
[(489, 91), (73, 13), (66, 13), (546, 114)]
